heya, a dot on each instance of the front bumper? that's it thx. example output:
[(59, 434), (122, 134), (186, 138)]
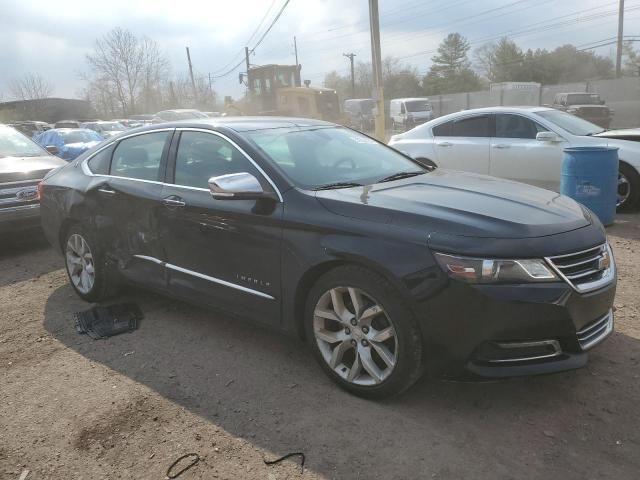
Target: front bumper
[(19, 217), (514, 330)]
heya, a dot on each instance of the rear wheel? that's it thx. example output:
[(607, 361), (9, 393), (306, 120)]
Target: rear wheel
[(628, 188), (85, 265), (362, 333)]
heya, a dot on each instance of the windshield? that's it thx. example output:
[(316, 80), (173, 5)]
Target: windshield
[(583, 99), (15, 144), (571, 123), (111, 127), (418, 106), (80, 136), (313, 157)]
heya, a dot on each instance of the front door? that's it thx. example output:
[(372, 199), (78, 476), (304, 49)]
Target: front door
[(223, 252), (464, 144), (517, 155)]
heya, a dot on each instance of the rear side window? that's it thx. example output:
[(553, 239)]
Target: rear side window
[(99, 163), (471, 127), (443, 130), (140, 156)]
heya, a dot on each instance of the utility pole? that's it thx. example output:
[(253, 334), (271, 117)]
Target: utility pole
[(620, 31), (376, 61), (246, 57), (353, 76), (193, 82), (295, 49)]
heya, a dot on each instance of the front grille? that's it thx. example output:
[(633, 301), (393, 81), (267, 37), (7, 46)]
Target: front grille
[(586, 270), (595, 332), (14, 194)]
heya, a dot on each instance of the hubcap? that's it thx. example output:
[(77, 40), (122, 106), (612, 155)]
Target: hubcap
[(624, 189), (355, 336), (80, 263)]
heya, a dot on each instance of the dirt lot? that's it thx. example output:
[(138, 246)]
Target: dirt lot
[(191, 381)]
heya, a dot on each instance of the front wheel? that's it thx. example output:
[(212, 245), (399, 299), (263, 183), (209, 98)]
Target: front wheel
[(628, 188), (85, 266), (362, 333)]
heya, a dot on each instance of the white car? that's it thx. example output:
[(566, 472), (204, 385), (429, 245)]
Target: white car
[(519, 143)]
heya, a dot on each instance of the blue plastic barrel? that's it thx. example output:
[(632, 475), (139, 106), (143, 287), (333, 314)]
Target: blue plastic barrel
[(590, 176)]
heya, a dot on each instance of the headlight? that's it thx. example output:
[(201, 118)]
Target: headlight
[(479, 270)]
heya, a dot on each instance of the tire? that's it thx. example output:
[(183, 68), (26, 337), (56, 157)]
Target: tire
[(394, 128), (86, 269), (632, 178), (386, 329)]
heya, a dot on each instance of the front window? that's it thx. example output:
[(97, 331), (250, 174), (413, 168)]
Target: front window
[(15, 144), (139, 157), (315, 157), (80, 136), (418, 106), (570, 123), (583, 99), (516, 126)]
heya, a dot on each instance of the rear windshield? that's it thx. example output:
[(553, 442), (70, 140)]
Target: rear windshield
[(15, 144), (80, 136), (583, 99), (418, 106)]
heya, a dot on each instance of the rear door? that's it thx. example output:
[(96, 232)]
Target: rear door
[(464, 144), (517, 155), (222, 252), (127, 199)]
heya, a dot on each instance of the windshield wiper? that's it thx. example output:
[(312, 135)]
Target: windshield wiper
[(400, 175), (330, 186)]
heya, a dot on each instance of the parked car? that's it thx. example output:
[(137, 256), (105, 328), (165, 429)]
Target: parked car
[(67, 124), (30, 128), (386, 268), (129, 123), (407, 113), (68, 143), (180, 114), (145, 118), (212, 114), (585, 105), (105, 129), (23, 164), (360, 113), (519, 143)]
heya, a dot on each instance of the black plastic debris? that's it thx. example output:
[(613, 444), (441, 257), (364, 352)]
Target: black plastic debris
[(289, 455), (107, 321)]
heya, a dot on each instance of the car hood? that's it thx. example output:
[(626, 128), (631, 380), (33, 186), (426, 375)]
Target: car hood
[(463, 204), (629, 134), (588, 105), (14, 169)]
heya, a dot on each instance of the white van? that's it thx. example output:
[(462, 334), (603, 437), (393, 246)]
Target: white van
[(407, 113)]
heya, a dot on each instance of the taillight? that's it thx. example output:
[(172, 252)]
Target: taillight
[(40, 188)]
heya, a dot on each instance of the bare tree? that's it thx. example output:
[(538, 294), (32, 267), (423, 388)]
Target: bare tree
[(31, 86)]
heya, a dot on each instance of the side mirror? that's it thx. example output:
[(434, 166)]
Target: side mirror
[(548, 137), (52, 149), (237, 186)]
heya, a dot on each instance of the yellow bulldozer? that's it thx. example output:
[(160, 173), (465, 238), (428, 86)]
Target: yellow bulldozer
[(277, 90)]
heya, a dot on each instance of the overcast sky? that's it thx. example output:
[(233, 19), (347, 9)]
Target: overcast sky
[(52, 38)]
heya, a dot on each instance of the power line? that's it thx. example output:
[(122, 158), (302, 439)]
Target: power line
[(273, 22)]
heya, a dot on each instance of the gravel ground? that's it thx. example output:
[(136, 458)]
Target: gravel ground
[(192, 381)]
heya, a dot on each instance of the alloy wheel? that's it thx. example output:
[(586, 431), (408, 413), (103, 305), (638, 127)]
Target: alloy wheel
[(355, 336), (624, 189), (80, 263)]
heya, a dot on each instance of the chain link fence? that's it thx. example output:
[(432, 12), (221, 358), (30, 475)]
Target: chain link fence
[(622, 95)]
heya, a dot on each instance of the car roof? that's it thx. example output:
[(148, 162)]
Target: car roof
[(242, 124), (528, 109), (409, 99)]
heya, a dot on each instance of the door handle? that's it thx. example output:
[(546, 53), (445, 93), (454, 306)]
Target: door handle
[(173, 202), (444, 144), (502, 145), (107, 191)]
